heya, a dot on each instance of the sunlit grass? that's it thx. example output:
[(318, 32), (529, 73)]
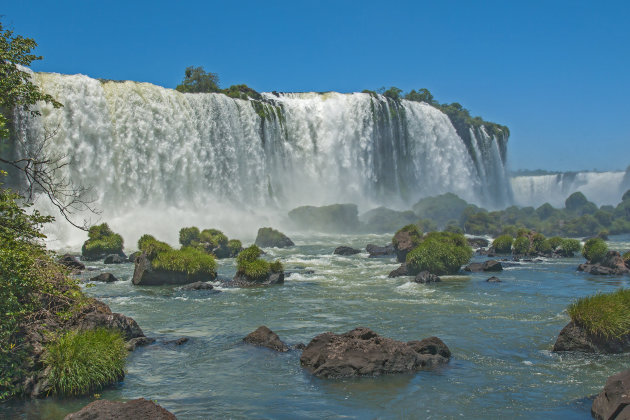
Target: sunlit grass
[(605, 315)]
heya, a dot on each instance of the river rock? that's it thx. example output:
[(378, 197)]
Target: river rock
[(241, 280), (98, 315), (614, 401), (71, 261), (612, 264), (132, 256), (400, 271), (426, 277), (477, 242), (363, 352), (490, 265), (404, 241), (264, 337), (199, 285), (346, 250), (575, 338), (268, 238), (132, 344), (376, 251), (105, 278), (114, 259), (139, 409), (494, 279), (178, 342), (145, 275)]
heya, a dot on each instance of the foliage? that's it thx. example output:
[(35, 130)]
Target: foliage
[(441, 208), (189, 260), (85, 361), (152, 247), (626, 256), (234, 246), (196, 80), (333, 218), (422, 95), (276, 267), (521, 245), (414, 232), (603, 315), (439, 253), (555, 242), (101, 241), (569, 247), (503, 244), (253, 267), (187, 235), (594, 250), (242, 92), (540, 244), (214, 237), (393, 93)]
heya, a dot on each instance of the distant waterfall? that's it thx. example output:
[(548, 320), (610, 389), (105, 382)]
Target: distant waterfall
[(154, 154)]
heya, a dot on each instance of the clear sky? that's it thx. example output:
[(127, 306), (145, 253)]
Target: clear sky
[(556, 72)]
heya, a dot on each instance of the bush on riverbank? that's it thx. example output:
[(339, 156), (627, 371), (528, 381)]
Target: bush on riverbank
[(101, 242), (439, 253), (85, 361), (603, 315), (503, 244), (595, 250)]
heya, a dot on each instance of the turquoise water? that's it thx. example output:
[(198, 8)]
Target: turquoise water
[(500, 335)]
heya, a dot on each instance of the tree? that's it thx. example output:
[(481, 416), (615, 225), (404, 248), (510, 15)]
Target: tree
[(422, 95), (40, 168), (196, 80)]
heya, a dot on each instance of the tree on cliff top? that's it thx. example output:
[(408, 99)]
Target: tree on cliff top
[(196, 80), (39, 167)]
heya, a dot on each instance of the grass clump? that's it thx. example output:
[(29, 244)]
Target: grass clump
[(415, 234), (255, 268), (595, 250), (188, 235), (503, 244), (152, 247), (101, 242), (604, 315), (521, 245), (439, 253), (189, 260), (85, 361), (569, 247)]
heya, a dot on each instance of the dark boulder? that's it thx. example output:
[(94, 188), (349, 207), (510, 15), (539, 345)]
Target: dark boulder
[(490, 265), (139, 409), (264, 337), (199, 285), (426, 277), (114, 259), (71, 262), (494, 279), (614, 401), (575, 338), (612, 264), (132, 256), (98, 315), (178, 342), (105, 278), (268, 238), (478, 242), (363, 352), (400, 271), (145, 275), (132, 344), (376, 251), (404, 241), (241, 280), (346, 250)]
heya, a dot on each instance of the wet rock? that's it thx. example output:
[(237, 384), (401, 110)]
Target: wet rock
[(114, 259), (268, 237), (494, 279), (299, 346), (199, 285), (426, 277), (132, 344), (490, 265), (178, 342), (145, 275), (132, 256), (139, 409), (346, 250), (612, 264), (105, 278), (614, 401), (404, 241), (376, 251), (71, 262), (363, 352), (241, 280), (264, 337), (478, 242), (98, 315), (400, 271), (575, 338)]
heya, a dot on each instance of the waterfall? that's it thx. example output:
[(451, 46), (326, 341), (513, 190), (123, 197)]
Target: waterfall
[(160, 159), (599, 187)]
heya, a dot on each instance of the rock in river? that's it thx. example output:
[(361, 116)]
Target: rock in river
[(105, 278), (264, 337), (575, 338), (139, 409), (346, 250), (426, 277), (614, 400), (490, 265)]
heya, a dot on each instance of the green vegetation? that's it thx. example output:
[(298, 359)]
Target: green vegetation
[(188, 235), (595, 250), (101, 242), (415, 234), (521, 245), (84, 361), (439, 253), (211, 241), (626, 257), (255, 268), (242, 92), (234, 246), (189, 260), (568, 247), (152, 247), (503, 244), (333, 218), (441, 209), (603, 315), (196, 80)]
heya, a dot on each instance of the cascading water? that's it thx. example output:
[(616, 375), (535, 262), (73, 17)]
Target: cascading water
[(599, 187), (158, 159)]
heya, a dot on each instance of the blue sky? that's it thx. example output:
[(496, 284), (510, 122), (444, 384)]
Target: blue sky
[(556, 72)]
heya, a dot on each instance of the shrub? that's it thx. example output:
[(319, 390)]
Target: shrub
[(604, 315), (570, 246), (214, 237), (540, 244), (555, 242), (503, 244), (81, 362), (101, 241), (152, 247), (234, 247), (522, 232), (439, 253), (521, 245), (189, 260), (188, 235), (248, 255), (595, 250), (253, 267), (276, 267), (415, 234)]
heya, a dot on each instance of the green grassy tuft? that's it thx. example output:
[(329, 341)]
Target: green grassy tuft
[(604, 315), (439, 253), (595, 250), (570, 246), (521, 245), (81, 362), (503, 244), (152, 247), (189, 260), (101, 241)]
